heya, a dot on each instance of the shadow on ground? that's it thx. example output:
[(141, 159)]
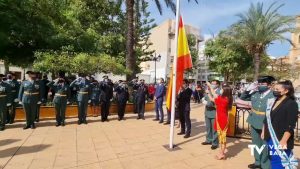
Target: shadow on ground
[(23, 150), (8, 141)]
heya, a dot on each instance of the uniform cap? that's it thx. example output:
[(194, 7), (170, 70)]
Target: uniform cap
[(266, 79)]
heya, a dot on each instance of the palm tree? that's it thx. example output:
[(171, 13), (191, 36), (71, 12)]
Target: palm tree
[(257, 29), (130, 35)]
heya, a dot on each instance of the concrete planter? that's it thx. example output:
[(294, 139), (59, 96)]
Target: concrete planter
[(48, 112)]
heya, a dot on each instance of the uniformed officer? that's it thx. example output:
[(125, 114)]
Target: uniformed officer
[(141, 94), (210, 115), (29, 95), (184, 108), (122, 98), (83, 96), (42, 91), (5, 90), (13, 97), (259, 95), (44, 82), (106, 96), (95, 97), (61, 97)]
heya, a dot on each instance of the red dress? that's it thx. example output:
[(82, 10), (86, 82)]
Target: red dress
[(222, 113)]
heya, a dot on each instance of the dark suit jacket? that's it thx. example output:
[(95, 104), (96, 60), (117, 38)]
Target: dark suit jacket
[(184, 99), (284, 118)]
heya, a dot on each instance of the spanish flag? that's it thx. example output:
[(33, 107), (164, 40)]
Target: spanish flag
[(184, 61)]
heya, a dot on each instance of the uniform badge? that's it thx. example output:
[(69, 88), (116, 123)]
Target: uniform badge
[(2, 89), (37, 86)]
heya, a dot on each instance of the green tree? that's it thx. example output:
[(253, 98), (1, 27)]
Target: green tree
[(227, 57), (258, 28), (131, 59), (193, 46)]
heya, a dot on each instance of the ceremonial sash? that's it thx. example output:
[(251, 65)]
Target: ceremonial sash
[(288, 162)]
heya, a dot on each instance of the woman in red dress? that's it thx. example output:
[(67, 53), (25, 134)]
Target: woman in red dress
[(223, 104)]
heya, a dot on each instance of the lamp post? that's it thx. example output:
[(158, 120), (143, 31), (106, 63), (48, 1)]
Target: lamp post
[(155, 59)]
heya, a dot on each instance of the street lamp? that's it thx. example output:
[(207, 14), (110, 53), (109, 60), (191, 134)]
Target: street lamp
[(155, 59)]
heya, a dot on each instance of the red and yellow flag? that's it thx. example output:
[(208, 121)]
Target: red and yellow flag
[(184, 61)]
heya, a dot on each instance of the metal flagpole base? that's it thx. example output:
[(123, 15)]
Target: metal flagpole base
[(175, 147)]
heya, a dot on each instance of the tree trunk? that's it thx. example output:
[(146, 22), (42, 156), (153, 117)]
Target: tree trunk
[(256, 65), (6, 67), (130, 57)]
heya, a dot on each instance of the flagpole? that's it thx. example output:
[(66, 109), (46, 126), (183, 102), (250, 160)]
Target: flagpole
[(174, 75)]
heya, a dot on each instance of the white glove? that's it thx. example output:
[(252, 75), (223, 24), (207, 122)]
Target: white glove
[(39, 102), (252, 87), (204, 101), (89, 101), (111, 100), (55, 81), (8, 104), (21, 103), (16, 100), (68, 102)]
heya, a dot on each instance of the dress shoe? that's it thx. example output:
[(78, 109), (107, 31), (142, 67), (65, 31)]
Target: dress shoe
[(254, 166), (57, 124), (79, 122), (2, 128), (206, 143), (84, 122), (160, 122), (143, 118), (166, 123), (155, 119), (26, 127), (37, 120), (102, 120), (181, 133), (63, 124), (138, 118), (33, 126), (213, 147), (187, 136), (119, 119), (11, 122)]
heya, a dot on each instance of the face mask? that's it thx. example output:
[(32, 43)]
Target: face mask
[(262, 89), (277, 94), (214, 86)]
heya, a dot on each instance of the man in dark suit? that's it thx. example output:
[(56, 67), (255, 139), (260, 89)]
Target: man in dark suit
[(159, 99), (184, 98), (141, 94), (122, 98), (106, 96)]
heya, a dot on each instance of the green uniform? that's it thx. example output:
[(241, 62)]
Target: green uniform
[(29, 94), (83, 97), (12, 100), (42, 90), (5, 90), (256, 119), (210, 115), (62, 94)]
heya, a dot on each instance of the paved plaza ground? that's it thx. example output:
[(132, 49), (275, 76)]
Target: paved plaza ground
[(129, 144)]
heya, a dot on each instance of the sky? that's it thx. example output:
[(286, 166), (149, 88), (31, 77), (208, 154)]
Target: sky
[(212, 16)]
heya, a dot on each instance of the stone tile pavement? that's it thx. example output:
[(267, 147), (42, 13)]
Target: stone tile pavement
[(129, 144)]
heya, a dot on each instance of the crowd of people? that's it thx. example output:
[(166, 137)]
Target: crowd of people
[(272, 120)]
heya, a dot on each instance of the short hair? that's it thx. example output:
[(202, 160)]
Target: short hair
[(186, 81), (217, 81)]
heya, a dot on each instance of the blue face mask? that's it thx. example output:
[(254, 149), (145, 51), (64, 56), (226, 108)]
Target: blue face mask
[(214, 86), (263, 89)]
